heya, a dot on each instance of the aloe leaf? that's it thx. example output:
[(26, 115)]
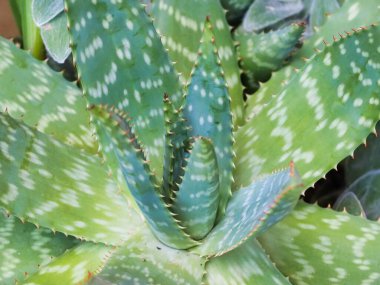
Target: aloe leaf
[(43, 98), (144, 260), (261, 54), (265, 13), (56, 38), (320, 9), (44, 11), (24, 248), (246, 265), (176, 144), (181, 24), (236, 9), (321, 246), (76, 266), (333, 100), (43, 178), (350, 203), (357, 13), (252, 210), (119, 141), (122, 63), (197, 200), (207, 110)]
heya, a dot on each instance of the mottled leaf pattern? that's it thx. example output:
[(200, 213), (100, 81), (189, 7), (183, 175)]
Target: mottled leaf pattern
[(122, 63), (263, 53), (43, 98), (42, 178), (306, 112), (353, 14), (252, 210), (181, 24), (76, 266), (246, 265), (320, 246), (265, 13), (144, 260), (24, 248), (197, 200), (116, 136), (207, 110)]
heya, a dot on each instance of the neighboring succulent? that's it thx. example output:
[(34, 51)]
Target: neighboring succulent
[(170, 184)]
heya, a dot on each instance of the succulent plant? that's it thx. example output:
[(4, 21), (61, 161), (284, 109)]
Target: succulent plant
[(152, 178)]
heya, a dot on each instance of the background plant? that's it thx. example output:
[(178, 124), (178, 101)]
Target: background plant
[(155, 140)]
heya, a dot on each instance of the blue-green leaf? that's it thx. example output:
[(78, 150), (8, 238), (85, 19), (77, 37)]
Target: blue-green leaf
[(207, 110), (46, 10), (252, 210), (122, 63), (196, 202)]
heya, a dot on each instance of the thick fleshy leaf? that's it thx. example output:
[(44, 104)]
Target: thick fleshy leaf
[(24, 248), (31, 91), (176, 145), (261, 54), (321, 246), (352, 14), (122, 147), (181, 24), (245, 265), (235, 9), (56, 38), (252, 210), (122, 63), (197, 200), (144, 260), (46, 10), (350, 203), (266, 13), (207, 110), (334, 100), (48, 183), (320, 9), (76, 266)]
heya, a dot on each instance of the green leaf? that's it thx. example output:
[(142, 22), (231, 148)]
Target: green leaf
[(144, 260), (263, 14), (56, 38), (263, 53), (320, 246), (181, 24), (252, 210), (176, 144), (353, 13), (44, 11), (41, 179), (207, 110), (197, 200), (333, 100), (236, 9), (245, 265), (119, 142), (319, 11), (31, 91), (24, 248), (350, 203), (122, 63), (76, 266)]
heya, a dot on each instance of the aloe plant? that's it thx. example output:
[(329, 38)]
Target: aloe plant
[(139, 176)]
